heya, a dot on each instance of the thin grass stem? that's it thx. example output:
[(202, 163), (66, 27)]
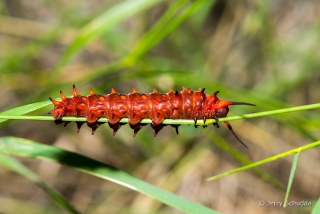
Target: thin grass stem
[(174, 121)]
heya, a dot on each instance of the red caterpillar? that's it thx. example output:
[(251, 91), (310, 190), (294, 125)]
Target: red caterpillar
[(135, 106)]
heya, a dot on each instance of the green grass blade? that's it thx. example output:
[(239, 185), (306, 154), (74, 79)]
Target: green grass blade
[(316, 208), (166, 121), (149, 39), (24, 109), (274, 112), (267, 160), (27, 148), (17, 167), (102, 23), (293, 170), (167, 24), (241, 158)]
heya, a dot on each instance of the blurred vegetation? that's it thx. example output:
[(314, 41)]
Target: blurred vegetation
[(261, 52)]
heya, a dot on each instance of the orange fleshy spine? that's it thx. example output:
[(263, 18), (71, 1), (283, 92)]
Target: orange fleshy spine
[(75, 93), (62, 96), (186, 104), (91, 91), (56, 103)]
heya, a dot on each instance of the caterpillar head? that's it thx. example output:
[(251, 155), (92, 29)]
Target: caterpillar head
[(215, 108)]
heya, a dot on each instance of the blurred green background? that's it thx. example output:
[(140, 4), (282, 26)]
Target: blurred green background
[(261, 52)]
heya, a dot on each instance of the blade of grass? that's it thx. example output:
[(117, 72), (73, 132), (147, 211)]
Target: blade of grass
[(147, 41), (102, 23), (166, 121), (167, 24), (241, 158), (24, 109), (293, 170), (267, 160), (31, 149), (316, 208), (13, 165)]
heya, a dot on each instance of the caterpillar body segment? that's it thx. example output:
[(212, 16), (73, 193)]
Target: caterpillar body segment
[(186, 104)]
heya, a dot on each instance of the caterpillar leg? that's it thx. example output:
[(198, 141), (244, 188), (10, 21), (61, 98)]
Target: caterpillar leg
[(216, 125), (94, 126), (136, 128), (79, 124), (217, 120), (66, 123), (115, 127), (176, 127), (157, 128), (58, 121), (195, 122), (204, 122)]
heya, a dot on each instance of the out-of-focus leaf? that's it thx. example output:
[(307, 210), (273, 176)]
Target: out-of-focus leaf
[(28, 148), (316, 208), (102, 23), (17, 167)]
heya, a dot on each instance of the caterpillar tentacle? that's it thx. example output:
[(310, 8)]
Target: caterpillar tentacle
[(186, 104), (231, 129)]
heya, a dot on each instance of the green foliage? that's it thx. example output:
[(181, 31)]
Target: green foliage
[(316, 208), (102, 23), (19, 168), (27, 148), (13, 114), (23, 110), (263, 52), (293, 170), (273, 158)]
